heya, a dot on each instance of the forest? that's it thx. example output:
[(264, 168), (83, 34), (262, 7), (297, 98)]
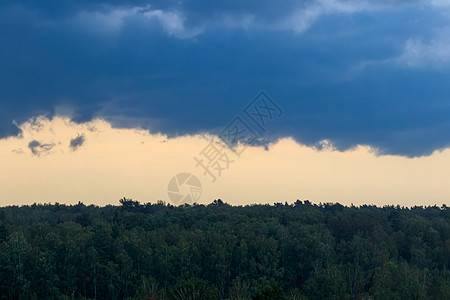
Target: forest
[(219, 251)]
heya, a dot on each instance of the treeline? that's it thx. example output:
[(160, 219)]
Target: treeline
[(218, 251)]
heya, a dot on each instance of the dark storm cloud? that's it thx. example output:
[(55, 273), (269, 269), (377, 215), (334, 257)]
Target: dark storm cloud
[(352, 72)]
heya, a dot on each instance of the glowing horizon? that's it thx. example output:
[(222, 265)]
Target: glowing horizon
[(113, 163)]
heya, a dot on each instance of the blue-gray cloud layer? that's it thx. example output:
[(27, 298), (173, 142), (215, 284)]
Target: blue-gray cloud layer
[(353, 72)]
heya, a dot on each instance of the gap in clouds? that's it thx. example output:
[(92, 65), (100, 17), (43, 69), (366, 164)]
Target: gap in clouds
[(116, 160)]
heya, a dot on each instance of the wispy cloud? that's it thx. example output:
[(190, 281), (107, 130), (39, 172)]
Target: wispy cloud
[(303, 18), (416, 54), (110, 21), (37, 148), (77, 142), (298, 17)]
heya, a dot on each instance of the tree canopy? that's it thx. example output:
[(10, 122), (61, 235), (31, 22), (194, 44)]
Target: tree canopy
[(219, 251)]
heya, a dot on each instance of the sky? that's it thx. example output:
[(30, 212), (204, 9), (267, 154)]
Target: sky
[(101, 100)]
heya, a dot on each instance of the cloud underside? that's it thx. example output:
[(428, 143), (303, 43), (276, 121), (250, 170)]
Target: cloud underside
[(351, 72)]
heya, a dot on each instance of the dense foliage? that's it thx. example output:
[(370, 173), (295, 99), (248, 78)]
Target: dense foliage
[(298, 251)]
